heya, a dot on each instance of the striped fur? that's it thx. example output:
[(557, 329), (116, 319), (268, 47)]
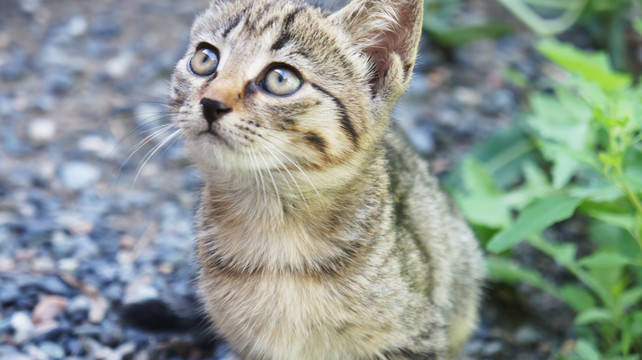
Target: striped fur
[(321, 235)]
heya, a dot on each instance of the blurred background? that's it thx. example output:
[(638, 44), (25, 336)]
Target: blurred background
[(96, 206)]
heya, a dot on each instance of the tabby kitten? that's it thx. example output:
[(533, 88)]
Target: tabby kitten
[(321, 235)]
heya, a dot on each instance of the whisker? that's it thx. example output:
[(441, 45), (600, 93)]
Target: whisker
[(276, 188), (288, 171), (254, 166), (154, 151), (258, 170), (297, 165), (144, 142)]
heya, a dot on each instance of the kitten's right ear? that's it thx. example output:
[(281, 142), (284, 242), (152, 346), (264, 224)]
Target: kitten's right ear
[(387, 32)]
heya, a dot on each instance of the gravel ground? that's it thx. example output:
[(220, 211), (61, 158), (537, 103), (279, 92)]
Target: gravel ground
[(88, 222)]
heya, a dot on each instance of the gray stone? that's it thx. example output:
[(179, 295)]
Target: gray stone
[(140, 292), (79, 304), (15, 66), (493, 349), (5, 325), (527, 335), (22, 327), (15, 356), (41, 131), (52, 350), (77, 26), (30, 6), (59, 81), (77, 175), (9, 293)]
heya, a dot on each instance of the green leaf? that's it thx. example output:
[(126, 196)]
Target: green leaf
[(564, 167), (536, 217), (485, 210), (637, 323), (535, 178), (512, 273), (630, 297), (637, 25), (477, 180), (565, 253), (592, 66), (459, 35), (577, 297), (621, 220), (604, 260), (593, 316), (587, 351), (504, 154)]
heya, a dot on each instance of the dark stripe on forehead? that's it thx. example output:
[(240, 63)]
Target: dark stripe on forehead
[(289, 18), (252, 19), (267, 24), (283, 39), (346, 123), (286, 36), (232, 24)]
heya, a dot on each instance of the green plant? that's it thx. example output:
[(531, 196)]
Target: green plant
[(438, 23), (609, 22), (577, 153)]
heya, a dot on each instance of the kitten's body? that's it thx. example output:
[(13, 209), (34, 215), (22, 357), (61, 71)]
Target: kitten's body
[(321, 235)]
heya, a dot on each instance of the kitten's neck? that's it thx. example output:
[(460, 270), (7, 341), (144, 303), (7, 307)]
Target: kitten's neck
[(296, 231)]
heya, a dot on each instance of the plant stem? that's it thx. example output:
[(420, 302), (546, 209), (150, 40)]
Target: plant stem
[(545, 26), (539, 243)]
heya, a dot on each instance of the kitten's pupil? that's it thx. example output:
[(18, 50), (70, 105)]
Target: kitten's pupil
[(281, 81), (205, 61)]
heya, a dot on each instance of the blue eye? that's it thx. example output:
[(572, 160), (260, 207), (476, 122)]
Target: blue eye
[(281, 81), (204, 61)]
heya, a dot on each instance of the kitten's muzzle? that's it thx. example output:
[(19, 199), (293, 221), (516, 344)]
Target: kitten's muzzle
[(213, 110)]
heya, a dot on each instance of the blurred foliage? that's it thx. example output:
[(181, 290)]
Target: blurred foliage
[(576, 153), (439, 24), (612, 25)]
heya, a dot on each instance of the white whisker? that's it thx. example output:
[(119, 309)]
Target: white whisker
[(144, 142), (276, 188), (258, 170), (296, 164), (154, 151), (287, 170)]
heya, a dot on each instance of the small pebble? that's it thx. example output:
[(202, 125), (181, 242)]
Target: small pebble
[(53, 285), (52, 350), (140, 292), (77, 175), (9, 292), (48, 308), (527, 335), (119, 66), (15, 356), (22, 326), (77, 26), (41, 131), (30, 6), (493, 349)]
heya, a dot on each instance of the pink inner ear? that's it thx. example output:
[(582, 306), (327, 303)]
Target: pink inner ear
[(398, 37)]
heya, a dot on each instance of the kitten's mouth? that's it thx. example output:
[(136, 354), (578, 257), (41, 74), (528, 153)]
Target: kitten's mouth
[(212, 134)]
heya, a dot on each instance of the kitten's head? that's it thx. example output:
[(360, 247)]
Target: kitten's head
[(272, 84)]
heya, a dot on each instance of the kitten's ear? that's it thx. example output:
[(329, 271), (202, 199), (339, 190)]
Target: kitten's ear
[(388, 32)]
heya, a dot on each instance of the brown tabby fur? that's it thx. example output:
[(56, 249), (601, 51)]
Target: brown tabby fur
[(321, 235)]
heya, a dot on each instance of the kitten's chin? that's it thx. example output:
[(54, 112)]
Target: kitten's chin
[(210, 153)]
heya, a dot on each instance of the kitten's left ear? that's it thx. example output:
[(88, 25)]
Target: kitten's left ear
[(388, 32)]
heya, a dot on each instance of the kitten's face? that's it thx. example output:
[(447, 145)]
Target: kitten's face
[(270, 85)]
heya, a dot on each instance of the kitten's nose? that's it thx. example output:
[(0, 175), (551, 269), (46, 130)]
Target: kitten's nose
[(213, 109)]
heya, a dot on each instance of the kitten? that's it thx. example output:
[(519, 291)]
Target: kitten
[(321, 235)]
